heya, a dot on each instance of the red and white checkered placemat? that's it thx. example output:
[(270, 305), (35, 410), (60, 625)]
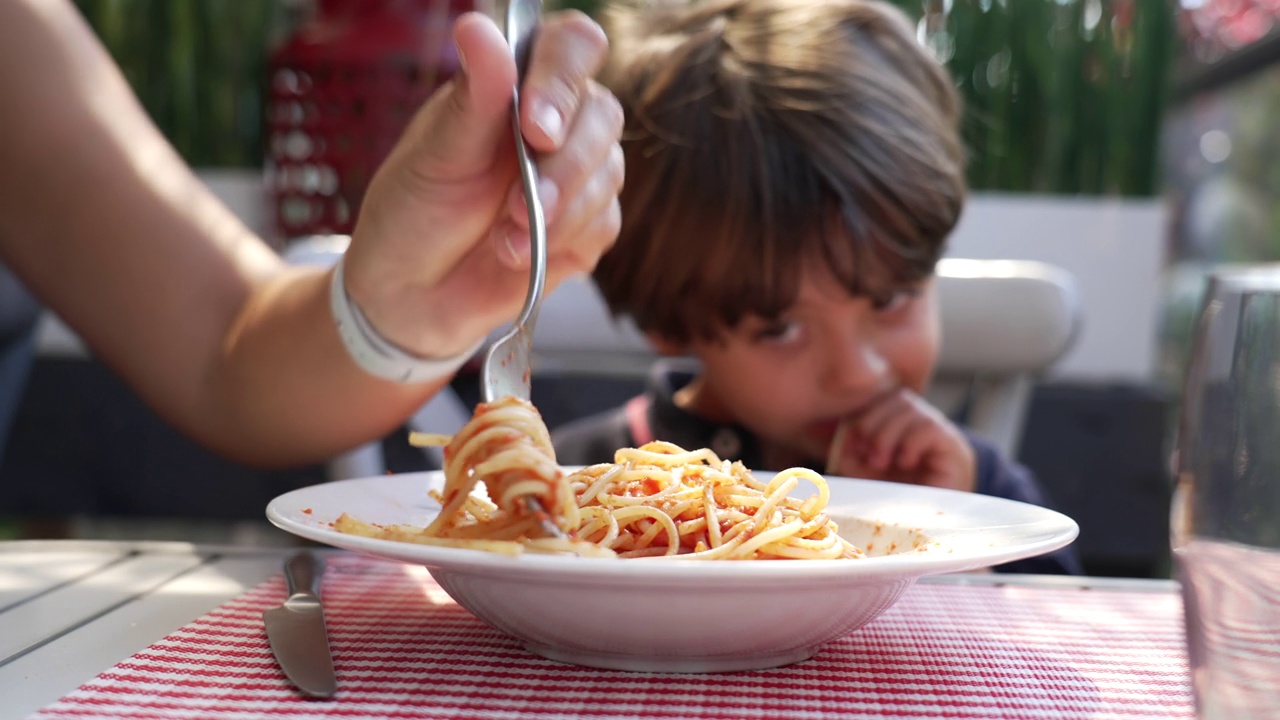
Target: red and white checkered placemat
[(403, 649)]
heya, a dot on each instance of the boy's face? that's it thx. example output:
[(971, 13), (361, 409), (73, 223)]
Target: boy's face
[(791, 381)]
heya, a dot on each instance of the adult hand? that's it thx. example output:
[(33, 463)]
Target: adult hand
[(439, 256)]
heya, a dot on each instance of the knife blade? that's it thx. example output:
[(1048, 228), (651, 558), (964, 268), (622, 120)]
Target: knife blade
[(296, 629)]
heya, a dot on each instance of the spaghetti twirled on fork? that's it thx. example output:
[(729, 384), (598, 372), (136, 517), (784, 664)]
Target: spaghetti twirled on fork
[(655, 500)]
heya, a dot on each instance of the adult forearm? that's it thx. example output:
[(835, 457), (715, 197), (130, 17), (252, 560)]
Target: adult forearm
[(109, 226), (286, 389), (105, 222)]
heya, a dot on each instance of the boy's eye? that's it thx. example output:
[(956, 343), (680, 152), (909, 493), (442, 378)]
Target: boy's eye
[(894, 300), (778, 331)]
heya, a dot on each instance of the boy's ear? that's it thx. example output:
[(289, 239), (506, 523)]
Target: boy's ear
[(666, 346)]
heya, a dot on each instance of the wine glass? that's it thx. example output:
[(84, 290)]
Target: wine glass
[(1225, 523)]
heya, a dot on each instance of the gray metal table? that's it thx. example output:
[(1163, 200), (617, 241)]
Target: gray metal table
[(71, 609)]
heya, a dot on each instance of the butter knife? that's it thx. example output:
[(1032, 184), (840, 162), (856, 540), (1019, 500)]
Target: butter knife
[(296, 629)]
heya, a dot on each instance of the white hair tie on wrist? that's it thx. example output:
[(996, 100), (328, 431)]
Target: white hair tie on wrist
[(379, 356)]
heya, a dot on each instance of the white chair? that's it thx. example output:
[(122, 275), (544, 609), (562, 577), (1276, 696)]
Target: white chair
[(1003, 323)]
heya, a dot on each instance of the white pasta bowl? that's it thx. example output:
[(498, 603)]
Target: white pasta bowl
[(671, 615)]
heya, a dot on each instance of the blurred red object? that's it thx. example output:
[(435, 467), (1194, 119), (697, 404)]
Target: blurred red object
[(342, 86), (1215, 28)]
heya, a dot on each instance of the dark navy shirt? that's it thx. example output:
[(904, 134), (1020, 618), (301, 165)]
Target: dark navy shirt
[(19, 312), (655, 415)]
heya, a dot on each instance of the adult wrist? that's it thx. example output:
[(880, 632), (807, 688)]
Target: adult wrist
[(379, 356)]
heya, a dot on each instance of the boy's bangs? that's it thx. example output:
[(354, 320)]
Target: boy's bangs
[(766, 139), (721, 235), (750, 262)]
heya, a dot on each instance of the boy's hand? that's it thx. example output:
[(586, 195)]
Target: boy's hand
[(901, 437)]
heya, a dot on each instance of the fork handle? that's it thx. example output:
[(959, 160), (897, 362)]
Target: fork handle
[(537, 223)]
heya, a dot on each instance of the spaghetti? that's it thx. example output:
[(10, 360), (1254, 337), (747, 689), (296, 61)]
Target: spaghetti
[(658, 500), (662, 500)]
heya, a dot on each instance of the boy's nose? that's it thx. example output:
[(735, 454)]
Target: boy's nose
[(855, 368)]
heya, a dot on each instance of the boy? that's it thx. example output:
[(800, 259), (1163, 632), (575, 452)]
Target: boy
[(793, 171)]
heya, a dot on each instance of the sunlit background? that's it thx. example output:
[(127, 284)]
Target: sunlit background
[(1148, 122)]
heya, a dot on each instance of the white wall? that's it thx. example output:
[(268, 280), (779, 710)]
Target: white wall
[(1114, 248)]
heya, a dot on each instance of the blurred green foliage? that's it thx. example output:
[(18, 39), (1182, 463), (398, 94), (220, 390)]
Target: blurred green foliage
[(198, 67), (1062, 96)]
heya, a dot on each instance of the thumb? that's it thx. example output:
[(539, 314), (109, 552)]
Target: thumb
[(836, 463), (474, 117), (843, 458)]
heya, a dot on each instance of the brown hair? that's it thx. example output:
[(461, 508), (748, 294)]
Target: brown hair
[(762, 135)]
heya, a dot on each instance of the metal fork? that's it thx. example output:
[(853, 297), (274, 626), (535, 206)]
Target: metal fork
[(507, 365)]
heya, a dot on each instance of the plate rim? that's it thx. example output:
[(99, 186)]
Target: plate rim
[(1060, 530)]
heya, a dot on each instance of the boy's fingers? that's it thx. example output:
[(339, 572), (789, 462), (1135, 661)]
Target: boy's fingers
[(889, 436), (851, 465), (569, 49), (867, 423), (913, 448)]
